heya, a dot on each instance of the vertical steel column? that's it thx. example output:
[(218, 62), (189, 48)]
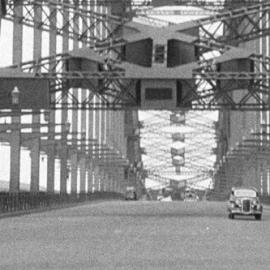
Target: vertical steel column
[(64, 118), (97, 178), (122, 145), (74, 153), (51, 145), (90, 151), (264, 177), (97, 152), (108, 124), (82, 156), (265, 114), (109, 143), (15, 145), (85, 126), (15, 142), (74, 168), (99, 119), (103, 141), (35, 151), (90, 176), (74, 157), (115, 136), (83, 147)]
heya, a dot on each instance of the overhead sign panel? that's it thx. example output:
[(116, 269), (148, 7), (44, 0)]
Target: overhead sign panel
[(33, 93)]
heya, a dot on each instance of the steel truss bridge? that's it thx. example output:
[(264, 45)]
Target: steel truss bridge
[(115, 84), (217, 40)]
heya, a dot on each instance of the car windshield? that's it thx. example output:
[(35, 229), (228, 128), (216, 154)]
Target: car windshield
[(245, 193)]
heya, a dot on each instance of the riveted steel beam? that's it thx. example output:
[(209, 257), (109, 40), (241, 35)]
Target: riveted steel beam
[(252, 19), (87, 19)]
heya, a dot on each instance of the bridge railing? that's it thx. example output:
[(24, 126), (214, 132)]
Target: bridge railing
[(25, 201)]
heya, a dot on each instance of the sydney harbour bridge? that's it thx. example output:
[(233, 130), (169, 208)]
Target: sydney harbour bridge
[(109, 94)]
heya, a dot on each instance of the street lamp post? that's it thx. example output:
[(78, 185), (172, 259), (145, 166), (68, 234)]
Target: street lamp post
[(15, 145), (15, 96)]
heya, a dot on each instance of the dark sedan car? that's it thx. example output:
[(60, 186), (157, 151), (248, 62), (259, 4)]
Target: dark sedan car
[(131, 194), (244, 201)]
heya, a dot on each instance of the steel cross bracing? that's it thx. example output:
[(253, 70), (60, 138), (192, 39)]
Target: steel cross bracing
[(253, 21), (166, 180), (105, 84), (200, 136), (253, 18), (82, 24), (114, 91), (216, 96), (193, 160)]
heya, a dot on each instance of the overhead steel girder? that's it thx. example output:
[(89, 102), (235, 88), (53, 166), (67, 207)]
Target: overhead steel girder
[(214, 97), (252, 19), (262, 76), (166, 180), (260, 65), (115, 87), (113, 94), (215, 5), (81, 24)]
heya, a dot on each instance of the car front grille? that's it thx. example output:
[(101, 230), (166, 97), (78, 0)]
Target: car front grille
[(246, 205)]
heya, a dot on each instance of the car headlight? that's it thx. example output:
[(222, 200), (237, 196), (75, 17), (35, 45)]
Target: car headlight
[(232, 204), (238, 202), (254, 202)]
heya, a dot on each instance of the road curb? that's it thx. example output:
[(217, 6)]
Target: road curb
[(52, 208)]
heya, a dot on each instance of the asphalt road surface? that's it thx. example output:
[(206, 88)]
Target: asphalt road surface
[(135, 235)]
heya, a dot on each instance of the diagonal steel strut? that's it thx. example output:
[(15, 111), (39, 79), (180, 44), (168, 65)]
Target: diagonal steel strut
[(87, 20)]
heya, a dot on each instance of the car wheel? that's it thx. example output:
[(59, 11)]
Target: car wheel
[(258, 217), (231, 216)]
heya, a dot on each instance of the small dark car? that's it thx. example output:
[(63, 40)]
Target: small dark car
[(244, 201), (130, 194), (191, 196)]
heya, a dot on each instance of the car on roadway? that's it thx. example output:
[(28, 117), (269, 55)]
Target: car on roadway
[(244, 201), (166, 199), (130, 194), (165, 195), (190, 196)]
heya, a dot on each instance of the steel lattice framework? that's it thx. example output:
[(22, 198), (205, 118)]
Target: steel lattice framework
[(81, 24), (156, 139), (114, 84), (217, 35), (253, 21)]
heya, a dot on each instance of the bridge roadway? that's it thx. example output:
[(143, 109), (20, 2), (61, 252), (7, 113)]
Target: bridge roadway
[(135, 235)]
